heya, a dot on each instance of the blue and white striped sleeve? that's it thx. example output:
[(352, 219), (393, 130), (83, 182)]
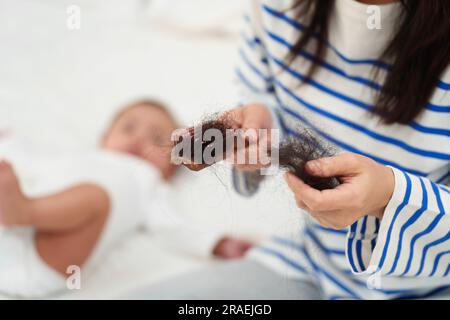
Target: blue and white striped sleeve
[(253, 73), (412, 239), (255, 82)]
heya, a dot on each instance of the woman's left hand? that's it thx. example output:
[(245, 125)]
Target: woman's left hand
[(366, 188)]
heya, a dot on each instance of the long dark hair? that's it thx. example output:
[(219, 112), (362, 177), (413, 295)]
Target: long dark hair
[(419, 53)]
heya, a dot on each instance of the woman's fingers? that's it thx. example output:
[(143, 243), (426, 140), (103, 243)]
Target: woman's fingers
[(252, 124), (315, 200), (248, 158), (306, 197), (251, 116), (235, 117), (256, 116), (340, 165), (329, 207), (366, 189), (301, 204)]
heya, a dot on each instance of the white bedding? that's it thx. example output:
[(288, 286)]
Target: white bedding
[(59, 88)]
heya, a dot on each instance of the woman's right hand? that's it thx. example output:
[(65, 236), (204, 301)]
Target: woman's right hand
[(251, 116)]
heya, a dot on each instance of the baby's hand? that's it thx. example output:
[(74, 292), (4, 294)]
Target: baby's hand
[(231, 248)]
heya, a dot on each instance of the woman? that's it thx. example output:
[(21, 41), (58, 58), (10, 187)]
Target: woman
[(382, 95)]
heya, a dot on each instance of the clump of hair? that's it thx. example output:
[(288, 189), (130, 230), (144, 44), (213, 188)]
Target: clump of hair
[(196, 141), (294, 152)]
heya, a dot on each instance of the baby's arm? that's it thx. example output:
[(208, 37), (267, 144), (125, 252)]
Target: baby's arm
[(231, 248)]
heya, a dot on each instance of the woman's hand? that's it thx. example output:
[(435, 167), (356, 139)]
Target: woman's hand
[(251, 116), (366, 188)]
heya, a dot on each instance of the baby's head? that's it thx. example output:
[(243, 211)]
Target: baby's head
[(143, 129)]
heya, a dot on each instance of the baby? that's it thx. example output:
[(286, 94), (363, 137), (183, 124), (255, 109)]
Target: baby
[(100, 197)]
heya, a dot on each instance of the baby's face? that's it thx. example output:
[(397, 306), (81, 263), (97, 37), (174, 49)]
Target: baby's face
[(143, 131)]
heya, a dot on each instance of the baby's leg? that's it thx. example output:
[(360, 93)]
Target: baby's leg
[(67, 224), (69, 247)]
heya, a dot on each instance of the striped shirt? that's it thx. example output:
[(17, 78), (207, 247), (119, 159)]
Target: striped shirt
[(407, 253)]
